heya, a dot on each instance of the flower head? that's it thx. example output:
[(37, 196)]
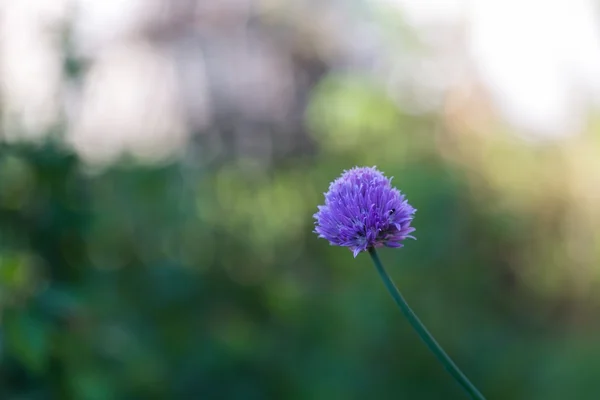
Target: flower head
[(363, 210)]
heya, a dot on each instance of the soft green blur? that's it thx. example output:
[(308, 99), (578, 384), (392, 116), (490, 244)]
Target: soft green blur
[(176, 282), (189, 279)]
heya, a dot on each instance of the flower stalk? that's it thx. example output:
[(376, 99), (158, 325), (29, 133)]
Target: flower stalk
[(418, 326)]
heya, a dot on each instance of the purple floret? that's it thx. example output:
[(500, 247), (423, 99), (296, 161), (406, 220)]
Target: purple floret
[(363, 210)]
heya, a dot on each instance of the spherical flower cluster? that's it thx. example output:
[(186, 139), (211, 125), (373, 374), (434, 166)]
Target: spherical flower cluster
[(363, 210)]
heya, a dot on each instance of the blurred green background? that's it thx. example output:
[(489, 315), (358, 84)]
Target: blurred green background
[(158, 176)]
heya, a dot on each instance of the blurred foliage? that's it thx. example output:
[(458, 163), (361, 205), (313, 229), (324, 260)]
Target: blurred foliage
[(185, 280), (178, 282)]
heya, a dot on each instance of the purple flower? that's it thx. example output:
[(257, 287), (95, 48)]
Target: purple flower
[(363, 210)]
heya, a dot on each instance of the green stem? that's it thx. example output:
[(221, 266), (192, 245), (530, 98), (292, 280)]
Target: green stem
[(423, 332)]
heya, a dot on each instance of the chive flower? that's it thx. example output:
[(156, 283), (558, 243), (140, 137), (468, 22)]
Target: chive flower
[(363, 210)]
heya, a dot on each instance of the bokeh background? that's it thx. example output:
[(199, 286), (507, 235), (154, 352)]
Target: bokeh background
[(160, 162)]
